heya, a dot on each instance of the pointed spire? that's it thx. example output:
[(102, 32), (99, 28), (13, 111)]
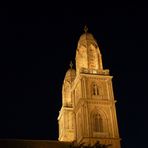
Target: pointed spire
[(71, 64), (85, 28)]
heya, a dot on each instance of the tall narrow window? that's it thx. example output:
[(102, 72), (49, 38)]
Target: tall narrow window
[(95, 90), (79, 126), (98, 123)]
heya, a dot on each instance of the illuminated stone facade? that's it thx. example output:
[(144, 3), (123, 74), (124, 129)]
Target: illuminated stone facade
[(88, 111)]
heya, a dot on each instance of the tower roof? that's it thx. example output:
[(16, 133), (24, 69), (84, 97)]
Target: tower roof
[(88, 55), (86, 38), (70, 74)]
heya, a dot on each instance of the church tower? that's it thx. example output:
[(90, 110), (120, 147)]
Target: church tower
[(88, 113)]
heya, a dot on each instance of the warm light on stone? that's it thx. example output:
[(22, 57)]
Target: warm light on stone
[(88, 112)]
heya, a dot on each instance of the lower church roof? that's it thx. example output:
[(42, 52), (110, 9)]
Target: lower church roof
[(20, 143)]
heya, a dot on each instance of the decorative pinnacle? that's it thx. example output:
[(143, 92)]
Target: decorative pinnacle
[(85, 28), (71, 64)]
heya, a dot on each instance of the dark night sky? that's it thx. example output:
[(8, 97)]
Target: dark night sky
[(36, 47)]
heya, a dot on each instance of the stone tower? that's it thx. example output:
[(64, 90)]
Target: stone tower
[(88, 112)]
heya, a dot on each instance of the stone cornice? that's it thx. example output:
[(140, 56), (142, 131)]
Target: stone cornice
[(102, 102)]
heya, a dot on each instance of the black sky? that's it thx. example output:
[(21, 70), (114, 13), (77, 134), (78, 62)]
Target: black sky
[(36, 47)]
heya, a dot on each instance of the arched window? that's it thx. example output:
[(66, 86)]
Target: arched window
[(95, 90), (97, 123)]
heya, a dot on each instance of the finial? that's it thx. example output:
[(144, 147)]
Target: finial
[(71, 64), (85, 28)]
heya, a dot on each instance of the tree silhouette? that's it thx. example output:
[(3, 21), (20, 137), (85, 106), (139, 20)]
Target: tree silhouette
[(96, 145)]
